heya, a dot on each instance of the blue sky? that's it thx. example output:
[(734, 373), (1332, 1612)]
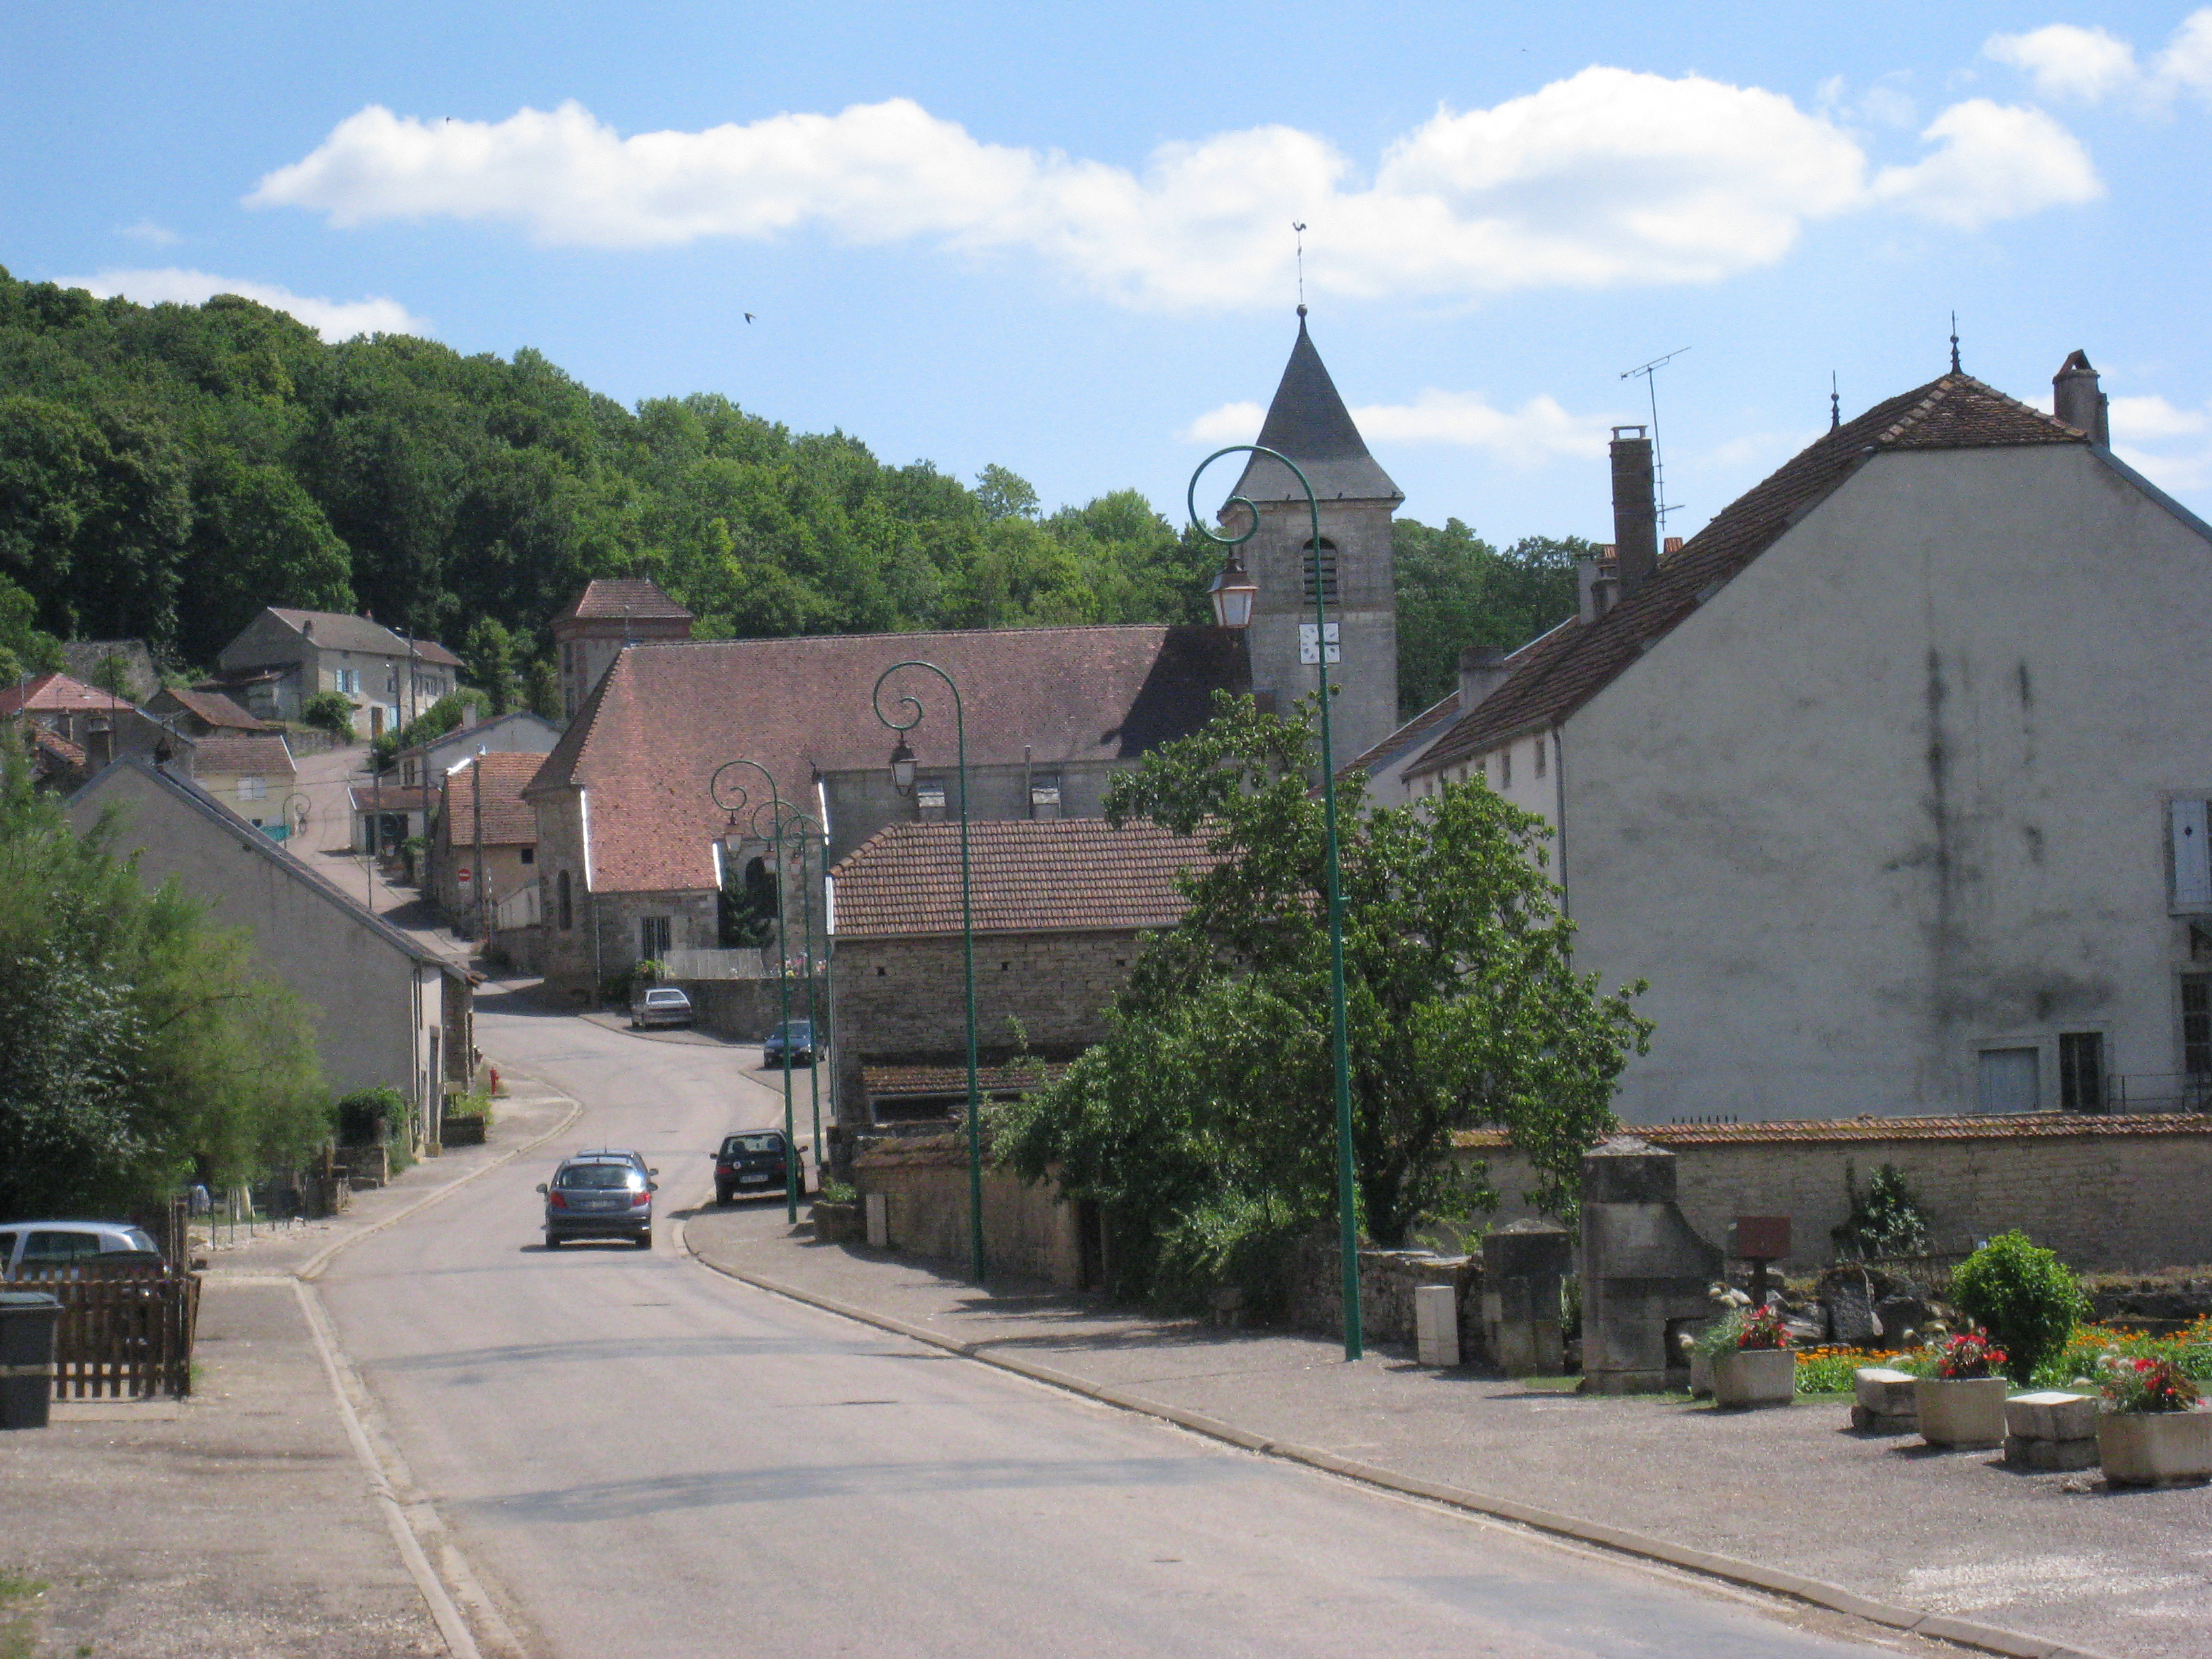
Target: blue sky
[(1059, 237)]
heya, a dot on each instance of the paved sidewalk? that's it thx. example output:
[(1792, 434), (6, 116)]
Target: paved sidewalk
[(238, 1522), (1956, 1536)]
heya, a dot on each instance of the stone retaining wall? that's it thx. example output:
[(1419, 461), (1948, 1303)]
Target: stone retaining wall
[(1387, 1279), (1026, 1229)]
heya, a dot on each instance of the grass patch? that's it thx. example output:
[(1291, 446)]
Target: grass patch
[(14, 1586)]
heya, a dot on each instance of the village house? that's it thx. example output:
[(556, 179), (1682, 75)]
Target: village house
[(1886, 780), (1057, 910), (283, 659), (386, 817), (98, 725), (608, 615), (517, 732), (199, 714), (484, 845), (386, 1012), (250, 772)]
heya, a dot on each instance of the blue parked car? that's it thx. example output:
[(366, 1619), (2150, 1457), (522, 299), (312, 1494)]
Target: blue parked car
[(797, 1035)]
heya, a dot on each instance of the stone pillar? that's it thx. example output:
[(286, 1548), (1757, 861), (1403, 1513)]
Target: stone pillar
[(1524, 1268), (1436, 1324), (1645, 1270)]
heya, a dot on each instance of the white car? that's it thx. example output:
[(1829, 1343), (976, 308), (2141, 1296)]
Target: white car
[(42, 1246), (661, 1005)]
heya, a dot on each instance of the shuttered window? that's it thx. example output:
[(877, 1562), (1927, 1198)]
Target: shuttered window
[(2192, 856), (1323, 569)]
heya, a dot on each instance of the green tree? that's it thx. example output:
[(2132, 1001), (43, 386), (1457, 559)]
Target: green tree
[(489, 653), (1455, 590), (258, 539), (1005, 495), (113, 673), (1213, 1085), (329, 711), (142, 1047), (542, 689), (24, 647)]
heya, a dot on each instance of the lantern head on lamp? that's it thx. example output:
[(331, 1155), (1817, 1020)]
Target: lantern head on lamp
[(903, 767), (1233, 593)]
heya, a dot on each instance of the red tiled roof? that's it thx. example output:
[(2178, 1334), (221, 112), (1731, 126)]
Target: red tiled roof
[(666, 715), (508, 820), (1026, 876), (606, 597), (1954, 412), (392, 798), (265, 753), (216, 709), (876, 1081), (55, 692), (56, 747), (2044, 1126)]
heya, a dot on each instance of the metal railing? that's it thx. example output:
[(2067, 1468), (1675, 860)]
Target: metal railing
[(2152, 1093)]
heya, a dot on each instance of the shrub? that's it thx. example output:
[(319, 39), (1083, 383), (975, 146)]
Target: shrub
[(329, 711), (368, 1116), (2024, 1296), (1887, 1221), (1232, 1239)]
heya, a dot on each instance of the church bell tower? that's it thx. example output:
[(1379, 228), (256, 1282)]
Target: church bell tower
[(1308, 422)]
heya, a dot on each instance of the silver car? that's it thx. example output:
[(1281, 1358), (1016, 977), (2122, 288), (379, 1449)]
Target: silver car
[(599, 1196), (659, 1005), (39, 1247)]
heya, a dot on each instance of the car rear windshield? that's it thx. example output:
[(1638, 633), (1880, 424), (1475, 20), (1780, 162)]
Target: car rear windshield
[(665, 998), (753, 1143), (600, 1176), (798, 1028)]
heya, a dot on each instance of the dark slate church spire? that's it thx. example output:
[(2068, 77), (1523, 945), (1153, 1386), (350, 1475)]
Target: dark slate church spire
[(1308, 422)]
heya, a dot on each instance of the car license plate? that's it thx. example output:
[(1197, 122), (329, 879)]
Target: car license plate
[(751, 1180)]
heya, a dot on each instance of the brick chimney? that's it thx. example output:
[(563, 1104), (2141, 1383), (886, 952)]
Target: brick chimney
[(1482, 670), (2076, 399), (1635, 510)]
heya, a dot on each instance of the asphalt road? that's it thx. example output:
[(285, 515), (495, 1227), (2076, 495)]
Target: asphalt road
[(641, 1457)]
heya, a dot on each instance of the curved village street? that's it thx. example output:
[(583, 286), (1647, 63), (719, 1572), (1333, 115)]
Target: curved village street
[(641, 1456)]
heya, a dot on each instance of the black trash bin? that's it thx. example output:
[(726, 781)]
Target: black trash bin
[(27, 1322)]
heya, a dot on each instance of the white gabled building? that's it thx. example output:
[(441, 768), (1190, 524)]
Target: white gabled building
[(1892, 781)]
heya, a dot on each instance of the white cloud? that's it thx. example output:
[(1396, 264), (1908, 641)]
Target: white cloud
[(2068, 62), (2169, 444), (147, 231), (334, 320), (1993, 161), (1608, 178), (2064, 60), (1538, 431)]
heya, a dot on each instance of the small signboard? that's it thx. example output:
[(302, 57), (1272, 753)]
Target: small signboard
[(1313, 637), (1760, 1237), (463, 875)]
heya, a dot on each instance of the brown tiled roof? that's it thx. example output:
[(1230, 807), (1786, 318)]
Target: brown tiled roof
[(876, 1081), (1954, 412), (56, 747), (215, 709), (263, 752), (55, 692), (2043, 1125), (613, 596), (508, 820), (665, 715), (1026, 876), (393, 798)]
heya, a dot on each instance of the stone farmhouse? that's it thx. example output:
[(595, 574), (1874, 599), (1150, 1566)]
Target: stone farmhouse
[(97, 725), (632, 854), (1888, 781), (386, 1010), (1058, 906), (284, 657)]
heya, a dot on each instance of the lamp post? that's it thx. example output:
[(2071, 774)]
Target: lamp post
[(809, 832), (1232, 593), (902, 770), (731, 796)]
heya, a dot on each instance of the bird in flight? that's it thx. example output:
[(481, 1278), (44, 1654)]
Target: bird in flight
[(749, 316)]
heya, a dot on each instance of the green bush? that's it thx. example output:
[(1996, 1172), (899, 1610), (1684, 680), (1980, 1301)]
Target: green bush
[(1886, 1222), (1232, 1240), (2024, 1296), (329, 711)]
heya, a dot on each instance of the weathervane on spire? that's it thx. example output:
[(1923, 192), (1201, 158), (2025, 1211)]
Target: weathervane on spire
[(1299, 231), (1955, 343), (1835, 402)]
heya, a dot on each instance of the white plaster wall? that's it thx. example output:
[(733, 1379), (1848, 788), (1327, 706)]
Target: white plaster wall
[(1897, 791)]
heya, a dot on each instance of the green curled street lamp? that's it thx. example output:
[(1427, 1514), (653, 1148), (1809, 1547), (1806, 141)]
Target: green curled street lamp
[(807, 830), (902, 780), (729, 792), (1232, 594)]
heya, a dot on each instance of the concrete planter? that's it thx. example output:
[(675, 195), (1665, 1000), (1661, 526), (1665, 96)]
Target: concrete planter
[(1961, 1411), (833, 1222), (1754, 1376), (2149, 1449)]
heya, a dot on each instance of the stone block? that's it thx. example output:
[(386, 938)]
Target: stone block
[(1871, 1422), (2045, 1456), (1851, 1316), (1436, 1324), (1882, 1392), (2053, 1414)]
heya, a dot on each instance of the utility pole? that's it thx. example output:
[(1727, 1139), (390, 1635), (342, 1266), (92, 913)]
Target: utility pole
[(483, 884)]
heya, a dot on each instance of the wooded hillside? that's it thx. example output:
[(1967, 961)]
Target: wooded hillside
[(167, 470)]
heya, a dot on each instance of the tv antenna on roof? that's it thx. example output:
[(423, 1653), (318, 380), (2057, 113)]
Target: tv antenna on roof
[(1299, 231), (1650, 373)]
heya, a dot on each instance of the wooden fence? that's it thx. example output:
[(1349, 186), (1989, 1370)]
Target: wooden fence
[(124, 1332)]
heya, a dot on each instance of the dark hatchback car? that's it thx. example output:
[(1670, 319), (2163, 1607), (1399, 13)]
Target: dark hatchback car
[(751, 1165), (797, 1035), (599, 1196)]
